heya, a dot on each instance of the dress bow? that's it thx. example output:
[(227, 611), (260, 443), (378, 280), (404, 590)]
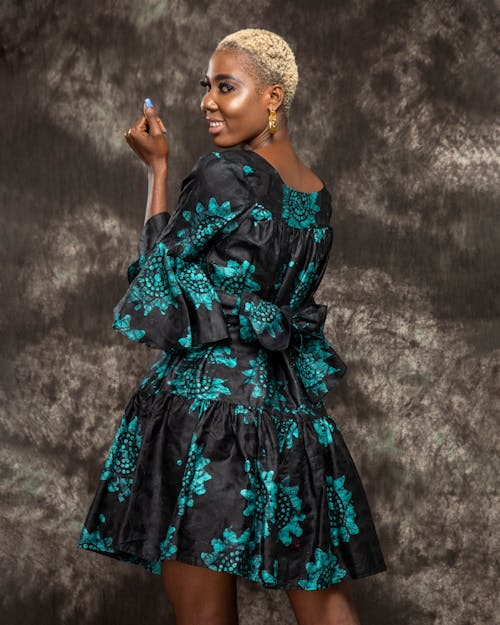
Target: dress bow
[(312, 359), (275, 326)]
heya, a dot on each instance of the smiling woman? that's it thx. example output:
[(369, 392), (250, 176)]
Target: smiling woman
[(225, 462), (237, 78)]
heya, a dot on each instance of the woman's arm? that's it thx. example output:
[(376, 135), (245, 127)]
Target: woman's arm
[(157, 190), (147, 138), (171, 301)]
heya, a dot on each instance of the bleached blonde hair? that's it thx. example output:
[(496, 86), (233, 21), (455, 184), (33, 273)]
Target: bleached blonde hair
[(272, 59)]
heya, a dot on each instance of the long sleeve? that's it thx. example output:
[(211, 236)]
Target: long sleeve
[(171, 301)]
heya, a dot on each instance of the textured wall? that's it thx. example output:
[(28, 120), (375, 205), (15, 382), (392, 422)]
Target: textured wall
[(395, 109)]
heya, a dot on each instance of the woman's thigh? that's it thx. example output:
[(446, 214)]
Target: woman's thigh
[(330, 606), (200, 595)]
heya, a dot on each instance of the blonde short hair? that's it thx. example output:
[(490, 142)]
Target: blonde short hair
[(273, 59)]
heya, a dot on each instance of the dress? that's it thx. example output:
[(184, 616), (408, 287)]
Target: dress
[(225, 456)]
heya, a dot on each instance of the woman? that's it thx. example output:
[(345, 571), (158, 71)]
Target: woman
[(225, 462)]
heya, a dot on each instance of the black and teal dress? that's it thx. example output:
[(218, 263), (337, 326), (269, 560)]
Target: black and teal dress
[(225, 456)]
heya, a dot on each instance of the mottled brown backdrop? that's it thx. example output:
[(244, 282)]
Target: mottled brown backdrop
[(395, 109)]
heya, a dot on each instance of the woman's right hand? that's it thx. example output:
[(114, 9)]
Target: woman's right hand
[(147, 138)]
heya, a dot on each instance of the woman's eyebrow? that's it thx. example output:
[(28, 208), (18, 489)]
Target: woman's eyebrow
[(230, 76)]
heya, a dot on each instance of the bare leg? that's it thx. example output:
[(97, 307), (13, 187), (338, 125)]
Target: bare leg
[(199, 595), (331, 606)]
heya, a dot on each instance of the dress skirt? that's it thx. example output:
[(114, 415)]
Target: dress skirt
[(271, 496)]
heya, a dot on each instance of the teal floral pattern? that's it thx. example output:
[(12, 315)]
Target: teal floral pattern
[(260, 213), (248, 414), (231, 553), (152, 287), (158, 372), (342, 512), (319, 234), (290, 515), (122, 459), (225, 456), (261, 497), (260, 378), (94, 540), (261, 317), (325, 428), (304, 283), (159, 284), (195, 476), (203, 223), (189, 383), (287, 430), (235, 276), (167, 546), (196, 288), (122, 324), (313, 362), (323, 572), (300, 209)]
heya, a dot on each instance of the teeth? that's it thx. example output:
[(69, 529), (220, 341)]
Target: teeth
[(212, 124)]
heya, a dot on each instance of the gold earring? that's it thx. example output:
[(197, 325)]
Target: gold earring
[(272, 122)]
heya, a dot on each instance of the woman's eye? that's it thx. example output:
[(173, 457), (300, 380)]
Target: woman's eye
[(225, 84), (204, 83)]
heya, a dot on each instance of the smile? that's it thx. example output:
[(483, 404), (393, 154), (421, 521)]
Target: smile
[(215, 127)]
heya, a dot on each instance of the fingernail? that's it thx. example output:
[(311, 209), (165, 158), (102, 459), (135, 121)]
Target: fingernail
[(148, 103)]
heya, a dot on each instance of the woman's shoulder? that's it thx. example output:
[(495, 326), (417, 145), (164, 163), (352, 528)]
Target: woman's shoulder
[(246, 162), (234, 160), (220, 175), (236, 169), (225, 163), (227, 170)]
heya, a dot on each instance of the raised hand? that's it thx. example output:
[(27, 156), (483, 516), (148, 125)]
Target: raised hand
[(147, 137)]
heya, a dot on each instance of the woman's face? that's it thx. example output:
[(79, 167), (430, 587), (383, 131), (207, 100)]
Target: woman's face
[(231, 97)]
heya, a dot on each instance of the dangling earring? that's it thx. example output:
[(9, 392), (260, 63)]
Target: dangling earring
[(272, 122)]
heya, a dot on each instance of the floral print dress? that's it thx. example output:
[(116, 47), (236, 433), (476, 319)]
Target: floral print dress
[(225, 456)]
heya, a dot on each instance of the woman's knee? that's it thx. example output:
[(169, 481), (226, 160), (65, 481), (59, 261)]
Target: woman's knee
[(200, 595), (330, 606)]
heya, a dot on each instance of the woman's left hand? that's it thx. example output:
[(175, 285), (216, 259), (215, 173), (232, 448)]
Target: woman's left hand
[(147, 138)]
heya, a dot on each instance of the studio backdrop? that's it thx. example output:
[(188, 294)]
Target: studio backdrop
[(395, 109)]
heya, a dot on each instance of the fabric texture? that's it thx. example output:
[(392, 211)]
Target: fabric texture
[(225, 456)]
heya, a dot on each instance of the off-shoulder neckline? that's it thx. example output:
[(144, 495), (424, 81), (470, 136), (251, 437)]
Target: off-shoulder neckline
[(276, 172)]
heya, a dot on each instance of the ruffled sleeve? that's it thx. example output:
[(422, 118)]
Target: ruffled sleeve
[(149, 235), (171, 302)]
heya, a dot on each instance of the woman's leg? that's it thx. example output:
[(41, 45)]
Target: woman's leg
[(199, 595), (331, 606)]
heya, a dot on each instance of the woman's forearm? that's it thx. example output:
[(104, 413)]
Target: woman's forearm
[(157, 191)]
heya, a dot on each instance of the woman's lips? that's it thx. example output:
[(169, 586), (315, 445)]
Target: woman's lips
[(215, 129)]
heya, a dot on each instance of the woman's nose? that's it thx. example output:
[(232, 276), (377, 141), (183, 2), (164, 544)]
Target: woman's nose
[(207, 105), (207, 101)]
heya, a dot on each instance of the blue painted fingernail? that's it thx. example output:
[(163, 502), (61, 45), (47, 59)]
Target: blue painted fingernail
[(148, 103)]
